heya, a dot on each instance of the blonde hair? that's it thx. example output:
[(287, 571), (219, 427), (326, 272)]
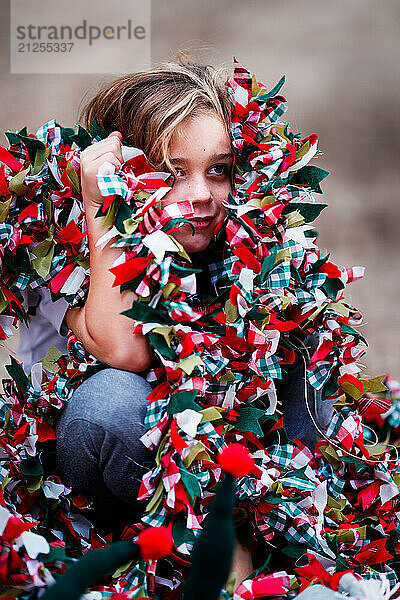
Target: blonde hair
[(148, 106)]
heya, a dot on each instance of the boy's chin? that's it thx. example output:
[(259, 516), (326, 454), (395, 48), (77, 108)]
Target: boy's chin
[(196, 244)]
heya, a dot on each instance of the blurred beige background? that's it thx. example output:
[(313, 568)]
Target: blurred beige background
[(341, 59)]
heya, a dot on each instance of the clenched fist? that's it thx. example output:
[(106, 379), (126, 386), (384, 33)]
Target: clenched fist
[(107, 150)]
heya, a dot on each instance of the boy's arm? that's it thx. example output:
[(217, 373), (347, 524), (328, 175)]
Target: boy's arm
[(99, 325)]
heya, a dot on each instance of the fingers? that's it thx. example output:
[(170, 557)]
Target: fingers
[(116, 133), (103, 149)]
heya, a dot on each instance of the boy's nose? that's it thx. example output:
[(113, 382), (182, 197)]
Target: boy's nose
[(200, 191)]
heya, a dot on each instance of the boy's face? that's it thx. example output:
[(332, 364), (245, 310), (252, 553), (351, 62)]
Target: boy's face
[(200, 151)]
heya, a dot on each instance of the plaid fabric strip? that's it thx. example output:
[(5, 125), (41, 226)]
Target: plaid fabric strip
[(269, 367), (50, 133), (302, 535), (296, 250), (272, 302), (6, 231), (270, 169), (389, 574), (315, 280), (214, 363), (279, 277), (276, 518), (22, 281), (202, 475), (3, 471), (155, 412), (303, 296), (156, 518), (277, 112), (335, 484), (320, 374), (208, 430), (281, 455), (112, 185), (297, 482)]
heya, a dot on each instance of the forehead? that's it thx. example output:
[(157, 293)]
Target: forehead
[(203, 135)]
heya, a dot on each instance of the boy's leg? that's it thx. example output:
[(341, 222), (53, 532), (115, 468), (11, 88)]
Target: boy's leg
[(298, 399), (97, 436)]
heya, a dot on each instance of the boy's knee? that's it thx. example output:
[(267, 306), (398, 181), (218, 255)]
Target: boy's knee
[(110, 400)]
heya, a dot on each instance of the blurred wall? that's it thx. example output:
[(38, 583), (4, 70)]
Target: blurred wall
[(341, 61)]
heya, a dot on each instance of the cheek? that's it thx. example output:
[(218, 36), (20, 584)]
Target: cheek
[(222, 195)]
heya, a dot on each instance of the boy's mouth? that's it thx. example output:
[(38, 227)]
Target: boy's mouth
[(202, 222)]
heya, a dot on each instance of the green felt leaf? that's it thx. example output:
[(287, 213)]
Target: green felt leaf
[(67, 134), (123, 214), (294, 550), (181, 533), (49, 362), (248, 420), (190, 483), (315, 267), (48, 206), (231, 311), (12, 137), (110, 214), (264, 97), (97, 131), (256, 315), (43, 264), (4, 208), (267, 265), (31, 144), (142, 312), (40, 160), (17, 184), (311, 233), (333, 544), (181, 401), (44, 246), (131, 284), (158, 343), (309, 211), (331, 287), (295, 273), (359, 464), (3, 301), (31, 467), (341, 564), (82, 138), (331, 385), (310, 177), (73, 178), (351, 331), (44, 253), (16, 372), (53, 555)]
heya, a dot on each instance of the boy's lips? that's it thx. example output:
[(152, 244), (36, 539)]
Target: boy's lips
[(202, 222)]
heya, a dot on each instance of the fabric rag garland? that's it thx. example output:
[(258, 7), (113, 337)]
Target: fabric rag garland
[(217, 355)]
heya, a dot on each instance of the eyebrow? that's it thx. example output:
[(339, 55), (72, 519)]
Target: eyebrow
[(223, 156)]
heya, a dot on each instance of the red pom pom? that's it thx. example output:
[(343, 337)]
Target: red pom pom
[(155, 542), (236, 460)]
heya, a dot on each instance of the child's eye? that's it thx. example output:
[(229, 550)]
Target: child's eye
[(179, 172), (221, 169)]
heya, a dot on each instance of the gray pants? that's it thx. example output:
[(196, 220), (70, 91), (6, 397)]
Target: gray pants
[(98, 448), (99, 452), (291, 392)]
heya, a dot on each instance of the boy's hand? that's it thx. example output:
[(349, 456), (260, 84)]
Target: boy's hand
[(107, 150)]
